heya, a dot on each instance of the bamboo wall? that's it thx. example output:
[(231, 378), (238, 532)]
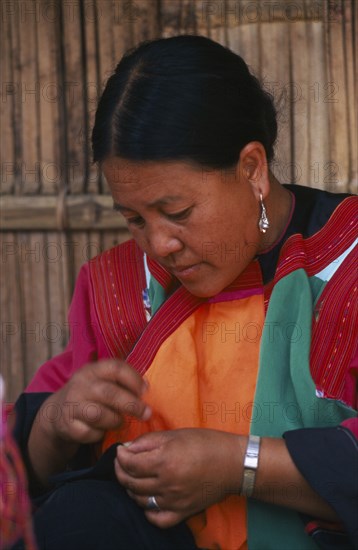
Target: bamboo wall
[(55, 58)]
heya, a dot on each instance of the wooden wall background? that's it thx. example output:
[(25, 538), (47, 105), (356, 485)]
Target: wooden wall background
[(56, 56)]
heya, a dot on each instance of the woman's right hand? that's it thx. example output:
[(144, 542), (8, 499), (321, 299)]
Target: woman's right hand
[(94, 400)]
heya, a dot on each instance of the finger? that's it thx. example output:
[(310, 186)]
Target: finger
[(142, 501), (96, 416), (132, 472), (119, 400), (111, 383), (164, 518), (82, 433), (139, 486), (122, 374), (150, 441), (139, 465)]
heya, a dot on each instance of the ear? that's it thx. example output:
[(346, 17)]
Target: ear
[(254, 168)]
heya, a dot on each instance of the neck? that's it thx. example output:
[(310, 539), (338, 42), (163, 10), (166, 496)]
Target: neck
[(278, 205)]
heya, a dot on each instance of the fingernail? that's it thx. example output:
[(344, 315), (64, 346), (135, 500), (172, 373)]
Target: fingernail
[(147, 413)]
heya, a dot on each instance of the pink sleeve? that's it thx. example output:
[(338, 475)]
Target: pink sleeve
[(86, 342)]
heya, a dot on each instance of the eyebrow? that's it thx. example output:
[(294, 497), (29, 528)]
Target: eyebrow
[(160, 202)]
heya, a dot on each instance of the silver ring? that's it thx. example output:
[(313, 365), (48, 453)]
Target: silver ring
[(152, 504)]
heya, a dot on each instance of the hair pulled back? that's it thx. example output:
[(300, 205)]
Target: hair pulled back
[(183, 98)]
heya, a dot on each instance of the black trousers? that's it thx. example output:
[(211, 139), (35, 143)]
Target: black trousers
[(92, 514)]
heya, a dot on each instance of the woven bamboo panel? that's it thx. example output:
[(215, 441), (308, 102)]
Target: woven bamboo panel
[(56, 57)]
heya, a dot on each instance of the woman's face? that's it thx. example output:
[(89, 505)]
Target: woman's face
[(200, 225)]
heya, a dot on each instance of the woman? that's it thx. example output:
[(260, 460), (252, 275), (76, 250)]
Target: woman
[(231, 318)]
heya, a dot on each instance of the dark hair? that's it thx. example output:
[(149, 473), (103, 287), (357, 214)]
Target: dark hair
[(183, 98)]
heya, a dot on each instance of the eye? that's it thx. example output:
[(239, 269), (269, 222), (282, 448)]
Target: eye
[(179, 216)]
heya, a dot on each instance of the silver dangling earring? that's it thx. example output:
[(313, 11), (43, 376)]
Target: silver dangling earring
[(264, 224)]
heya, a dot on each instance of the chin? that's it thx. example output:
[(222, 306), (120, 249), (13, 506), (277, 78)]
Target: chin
[(201, 291)]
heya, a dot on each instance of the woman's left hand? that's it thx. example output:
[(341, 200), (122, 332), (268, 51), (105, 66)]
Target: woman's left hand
[(187, 470)]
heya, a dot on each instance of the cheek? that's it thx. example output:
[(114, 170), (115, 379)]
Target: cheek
[(232, 249), (140, 239)]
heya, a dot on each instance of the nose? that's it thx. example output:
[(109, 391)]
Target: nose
[(162, 242)]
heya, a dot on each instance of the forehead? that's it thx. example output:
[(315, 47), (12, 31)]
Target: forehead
[(122, 171), (153, 184)]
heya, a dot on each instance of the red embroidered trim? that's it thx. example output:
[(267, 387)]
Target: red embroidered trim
[(118, 279), (163, 276), (172, 313), (175, 310), (334, 330), (118, 300), (316, 252)]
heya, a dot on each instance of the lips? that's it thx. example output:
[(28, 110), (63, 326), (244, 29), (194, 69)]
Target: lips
[(180, 268), (185, 271)]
